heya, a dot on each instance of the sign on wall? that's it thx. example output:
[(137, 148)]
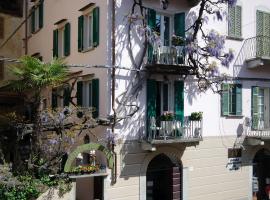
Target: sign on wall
[(234, 159)]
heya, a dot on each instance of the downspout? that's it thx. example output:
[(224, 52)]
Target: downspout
[(26, 27), (113, 91)]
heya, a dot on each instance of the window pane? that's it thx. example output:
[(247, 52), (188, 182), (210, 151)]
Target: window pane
[(158, 24), (165, 97), (90, 95), (166, 31), (90, 31)]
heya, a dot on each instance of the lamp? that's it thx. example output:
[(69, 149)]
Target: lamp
[(164, 4)]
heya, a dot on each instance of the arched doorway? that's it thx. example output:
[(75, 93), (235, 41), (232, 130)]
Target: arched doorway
[(261, 174), (163, 179)]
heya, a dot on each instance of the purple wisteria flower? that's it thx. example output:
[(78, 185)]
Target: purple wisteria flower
[(215, 43), (228, 58)]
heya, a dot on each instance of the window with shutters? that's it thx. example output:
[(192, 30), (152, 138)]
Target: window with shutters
[(164, 97), (235, 21), (88, 94), (36, 19), (167, 26), (231, 100), (61, 97), (88, 30), (61, 40), (260, 108)]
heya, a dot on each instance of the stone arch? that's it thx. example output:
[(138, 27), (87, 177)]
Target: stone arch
[(88, 147), (172, 153)]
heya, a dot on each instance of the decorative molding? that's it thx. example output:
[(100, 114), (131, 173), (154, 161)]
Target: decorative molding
[(88, 147)]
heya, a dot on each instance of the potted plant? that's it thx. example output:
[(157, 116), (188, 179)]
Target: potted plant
[(177, 40), (167, 116), (195, 116)]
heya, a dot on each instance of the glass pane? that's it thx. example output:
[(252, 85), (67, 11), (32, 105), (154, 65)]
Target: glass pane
[(165, 97), (90, 31), (166, 31), (158, 23), (261, 104)]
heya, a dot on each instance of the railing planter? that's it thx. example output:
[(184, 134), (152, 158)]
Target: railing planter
[(87, 169), (170, 130)]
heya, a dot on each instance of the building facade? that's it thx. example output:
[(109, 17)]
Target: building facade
[(223, 154)]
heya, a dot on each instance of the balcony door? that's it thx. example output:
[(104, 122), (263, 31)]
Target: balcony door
[(163, 28)]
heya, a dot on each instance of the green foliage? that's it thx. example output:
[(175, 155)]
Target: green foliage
[(34, 74), (196, 116)]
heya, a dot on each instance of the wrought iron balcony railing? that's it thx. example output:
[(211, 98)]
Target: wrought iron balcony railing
[(174, 131), (167, 55), (257, 128), (253, 48)]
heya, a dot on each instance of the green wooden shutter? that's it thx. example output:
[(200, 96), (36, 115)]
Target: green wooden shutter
[(33, 20), (96, 27), (79, 93), (179, 24), (151, 21), (54, 99), (67, 39), (231, 21), (179, 100), (238, 99), (259, 32), (238, 21), (151, 98), (95, 97), (67, 96), (225, 99), (254, 107), (80, 33), (40, 17), (55, 43)]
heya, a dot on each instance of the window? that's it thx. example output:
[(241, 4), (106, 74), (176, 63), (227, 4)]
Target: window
[(163, 25), (88, 94), (231, 99), (88, 30), (235, 21), (260, 108), (165, 97), (37, 17), (12, 7), (61, 41), (61, 97)]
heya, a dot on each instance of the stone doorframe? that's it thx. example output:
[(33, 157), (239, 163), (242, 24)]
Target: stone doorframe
[(173, 153)]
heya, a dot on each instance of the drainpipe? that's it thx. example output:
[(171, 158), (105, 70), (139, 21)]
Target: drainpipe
[(113, 91), (26, 27)]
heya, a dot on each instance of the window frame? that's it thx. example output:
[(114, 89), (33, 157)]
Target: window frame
[(88, 31), (232, 94)]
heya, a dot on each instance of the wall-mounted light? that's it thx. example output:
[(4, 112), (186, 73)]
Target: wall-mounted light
[(164, 4)]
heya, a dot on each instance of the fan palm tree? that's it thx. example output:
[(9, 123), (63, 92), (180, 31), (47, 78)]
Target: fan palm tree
[(32, 76)]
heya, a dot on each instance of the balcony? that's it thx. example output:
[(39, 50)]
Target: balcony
[(256, 131), (163, 132), (169, 60), (255, 53)]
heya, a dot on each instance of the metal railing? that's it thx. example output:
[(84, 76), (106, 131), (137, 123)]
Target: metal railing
[(255, 47), (167, 55), (174, 130), (256, 128)]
